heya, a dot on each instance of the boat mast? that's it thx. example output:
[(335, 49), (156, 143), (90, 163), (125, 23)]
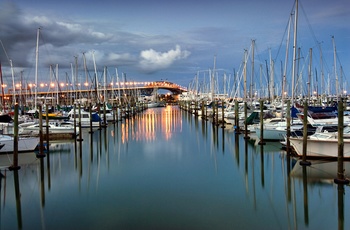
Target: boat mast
[(51, 70), (117, 75), (2, 89), (57, 81), (286, 61), (86, 77), (13, 84), (213, 80), (309, 81), (294, 47), (72, 88), (323, 90), (36, 69), (252, 74), (105, 85), (96, 79), (245, 75), (335, 68)]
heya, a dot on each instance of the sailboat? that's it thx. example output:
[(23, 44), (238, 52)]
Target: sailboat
[(66, 128), (25, 144), (153, 103), (85, 118)]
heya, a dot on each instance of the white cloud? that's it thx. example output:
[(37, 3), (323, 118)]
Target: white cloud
[(71, 26), (152, 60), (117, 57)]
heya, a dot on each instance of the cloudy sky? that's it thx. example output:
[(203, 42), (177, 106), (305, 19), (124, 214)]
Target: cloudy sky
[(150, 40)]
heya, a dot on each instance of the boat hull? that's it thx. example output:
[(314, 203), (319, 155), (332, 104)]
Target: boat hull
[(57, 130), (153, 105), (271, 134), (25, 144), (318, 148), (321, 171), (84, 118)]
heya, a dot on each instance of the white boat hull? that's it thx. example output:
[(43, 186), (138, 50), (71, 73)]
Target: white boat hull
[(33, 130), (25, 144), (271, 134), (152, 105), (85, 124), (320, 171), (84, 118), (320, 148)]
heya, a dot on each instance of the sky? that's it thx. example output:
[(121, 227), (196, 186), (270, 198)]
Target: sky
[(177, 41)]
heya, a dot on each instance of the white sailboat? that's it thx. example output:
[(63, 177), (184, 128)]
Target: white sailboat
[(322, 144), (25, 144), (320, 172), (84, 118), (53, 128)]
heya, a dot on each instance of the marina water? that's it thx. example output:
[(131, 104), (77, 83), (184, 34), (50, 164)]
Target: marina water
[(166, 169)]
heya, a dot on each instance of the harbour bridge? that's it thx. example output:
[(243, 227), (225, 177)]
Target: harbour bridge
[(65, 92)]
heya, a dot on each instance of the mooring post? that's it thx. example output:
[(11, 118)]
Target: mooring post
[(304, 161), (261, 142), (245, 122), (79, 124), (341, 178), (47, 129), (14, 165), (90, 112), (288, 126), (41, 142), (223, 113), (237, 129)]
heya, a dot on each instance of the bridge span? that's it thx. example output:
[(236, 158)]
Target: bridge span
[(64, 92)]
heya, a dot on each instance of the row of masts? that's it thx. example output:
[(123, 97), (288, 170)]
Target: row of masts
[(287, 89), (271, 91), (94, 91)]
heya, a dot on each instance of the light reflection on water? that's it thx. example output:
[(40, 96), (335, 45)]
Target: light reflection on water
[(145, 127), (166, 169)]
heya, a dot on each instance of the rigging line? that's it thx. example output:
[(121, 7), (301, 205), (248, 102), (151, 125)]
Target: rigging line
[(281, 43), (337, 57), (56, 78), (309, 25), (3, 47), (314, 36), (45, 47), (291, 13)]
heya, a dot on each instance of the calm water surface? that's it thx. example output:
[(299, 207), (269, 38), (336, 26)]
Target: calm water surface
[(166, 169)]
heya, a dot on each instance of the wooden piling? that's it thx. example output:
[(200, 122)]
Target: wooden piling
[(79, 125), (223, 113), (245, 122), (288, 127), (202, 109), (261, 142), (217, 113), (15, 165), (214, 111), (341, 178), (114, 112), (47, 129), (196, 107), (237, 129), (304, 158), (41, 142), (90, 108), (206, 112), (99, 115), (104, 115)]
